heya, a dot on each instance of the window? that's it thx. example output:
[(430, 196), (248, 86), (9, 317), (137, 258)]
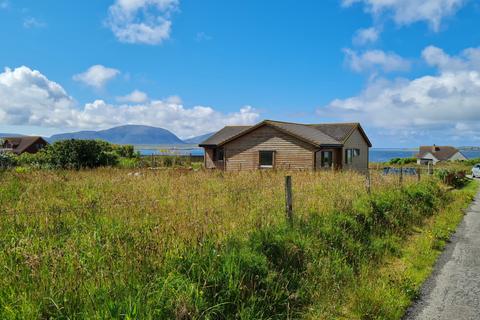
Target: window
[(266, 159), (326, 159), (350, 154), (219, 154)]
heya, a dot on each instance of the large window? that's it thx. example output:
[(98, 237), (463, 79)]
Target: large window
[(266, 159), (326, 159), (350, 154)]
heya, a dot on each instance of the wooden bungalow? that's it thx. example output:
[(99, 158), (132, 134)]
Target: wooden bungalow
[(284, 145)]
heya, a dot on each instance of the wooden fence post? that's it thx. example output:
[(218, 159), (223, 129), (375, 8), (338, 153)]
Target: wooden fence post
[(419, 178), (401, 175), (368, 182), (289, 199)]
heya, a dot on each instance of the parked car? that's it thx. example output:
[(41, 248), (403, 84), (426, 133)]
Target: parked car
[(476, 171)]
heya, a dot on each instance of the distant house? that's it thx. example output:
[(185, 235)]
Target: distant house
[(19, 145), (434, 154), (284, 145)]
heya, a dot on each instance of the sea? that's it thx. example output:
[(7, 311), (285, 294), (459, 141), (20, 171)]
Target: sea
[(376, 154)]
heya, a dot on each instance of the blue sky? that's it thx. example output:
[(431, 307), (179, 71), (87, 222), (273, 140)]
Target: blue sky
[(408, 70)]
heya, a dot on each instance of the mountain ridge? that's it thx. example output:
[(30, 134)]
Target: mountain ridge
[(126, 134)]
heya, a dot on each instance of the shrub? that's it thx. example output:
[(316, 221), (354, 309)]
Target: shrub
[(452, 177), (125, 151), (470, 162), (41, 159), (77, 154), (128, 163), (7, 160), (402, 161)]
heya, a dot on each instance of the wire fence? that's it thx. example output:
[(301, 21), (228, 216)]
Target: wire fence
[(264, 193)]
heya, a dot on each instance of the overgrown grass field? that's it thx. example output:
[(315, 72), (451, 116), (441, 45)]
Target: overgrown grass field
[(170, 244)]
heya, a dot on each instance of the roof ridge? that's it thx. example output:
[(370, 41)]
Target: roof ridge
[(332, 123), (311, 124)]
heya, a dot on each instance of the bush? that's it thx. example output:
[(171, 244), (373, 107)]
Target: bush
[(7, 160), (41, 159), (125, 151), (128, 163), (470, 162), (452, 177), (77, 154), (402, 161)]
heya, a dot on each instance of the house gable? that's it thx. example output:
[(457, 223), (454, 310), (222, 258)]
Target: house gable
[(429, 156), (458, 156), (356, 140), (242, 153)]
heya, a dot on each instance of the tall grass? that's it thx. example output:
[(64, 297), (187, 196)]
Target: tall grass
[(168, 244)]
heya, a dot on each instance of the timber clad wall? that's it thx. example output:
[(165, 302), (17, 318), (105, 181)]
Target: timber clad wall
[(209, 164), (290, 153), (356, 141)]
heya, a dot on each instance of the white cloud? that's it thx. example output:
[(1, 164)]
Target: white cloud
[(135, 96), (365, 36), (468, 59), (30, 23), (141, 21), (375, 60), (405, 12), (447, 103), (97, 76), (29, 98)]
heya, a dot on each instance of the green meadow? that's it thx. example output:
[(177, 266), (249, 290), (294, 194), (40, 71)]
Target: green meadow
[(172, 244)]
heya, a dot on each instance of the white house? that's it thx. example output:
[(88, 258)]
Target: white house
[(434, 154)]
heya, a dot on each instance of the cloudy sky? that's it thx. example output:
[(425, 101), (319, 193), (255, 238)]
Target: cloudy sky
[(408, 70)]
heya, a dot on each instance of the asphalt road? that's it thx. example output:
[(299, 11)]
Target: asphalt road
[(453, 290)]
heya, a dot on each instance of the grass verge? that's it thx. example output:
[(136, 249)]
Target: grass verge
[(387, 292)]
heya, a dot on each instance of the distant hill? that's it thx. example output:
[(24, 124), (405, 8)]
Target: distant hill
[(129, 134), (198, 139), (10, 135)]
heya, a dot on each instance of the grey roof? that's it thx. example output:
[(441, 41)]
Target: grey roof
[(223, 135), (338, 131), (442, 153), (305, 132), (333, 134)]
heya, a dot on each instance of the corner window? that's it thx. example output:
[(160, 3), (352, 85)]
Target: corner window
[(326, 159), (266, 159)]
